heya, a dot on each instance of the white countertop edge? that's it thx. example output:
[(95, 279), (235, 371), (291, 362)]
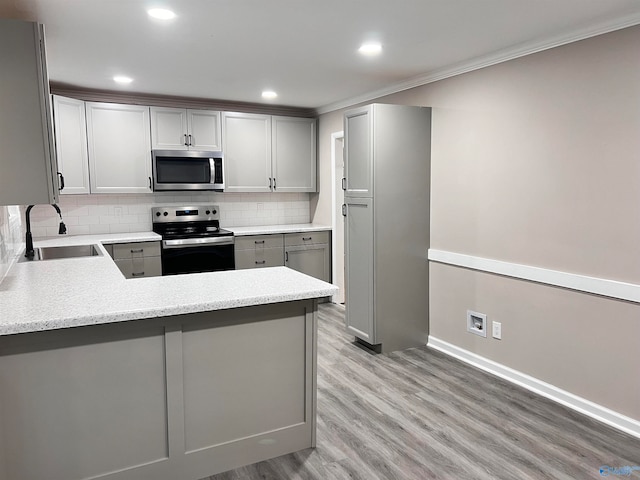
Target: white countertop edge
[(108, 318)]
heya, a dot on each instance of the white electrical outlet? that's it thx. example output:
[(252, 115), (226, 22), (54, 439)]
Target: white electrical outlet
[(477, 323), (497, 330)]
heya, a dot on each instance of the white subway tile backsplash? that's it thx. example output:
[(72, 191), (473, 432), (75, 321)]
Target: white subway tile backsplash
[(106, 213)]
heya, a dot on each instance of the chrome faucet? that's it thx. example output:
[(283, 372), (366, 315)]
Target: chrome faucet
[(29, 251)]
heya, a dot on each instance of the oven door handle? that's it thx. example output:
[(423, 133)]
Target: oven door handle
[(198, 242)]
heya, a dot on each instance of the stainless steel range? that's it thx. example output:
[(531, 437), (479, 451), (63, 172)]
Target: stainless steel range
[(192, 240)]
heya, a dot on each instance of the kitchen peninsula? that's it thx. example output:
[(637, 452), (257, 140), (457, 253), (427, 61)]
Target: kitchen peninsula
[(164, 377)]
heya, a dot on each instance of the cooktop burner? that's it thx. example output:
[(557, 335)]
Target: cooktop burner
[(194, 221)]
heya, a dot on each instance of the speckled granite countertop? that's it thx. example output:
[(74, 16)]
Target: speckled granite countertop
[(269, 229), (54, 294)]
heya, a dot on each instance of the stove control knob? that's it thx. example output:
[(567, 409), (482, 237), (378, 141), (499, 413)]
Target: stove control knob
[(166, 213), (157, 214), (208, 212), (215, 211)]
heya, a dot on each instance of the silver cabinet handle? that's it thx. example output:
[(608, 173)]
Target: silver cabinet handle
[(138, 274), (150, 184), (138, 251), (286, 256), (270, 184), (190, 142), (257, 242), (306, 239), (344, 210), (261, 263), (186, 143), (274, 183), (344, 183)]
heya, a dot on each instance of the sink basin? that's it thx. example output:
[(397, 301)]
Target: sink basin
[(72, 251)]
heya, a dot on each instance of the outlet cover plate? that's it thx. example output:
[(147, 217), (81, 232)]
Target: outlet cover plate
[(497, 330)]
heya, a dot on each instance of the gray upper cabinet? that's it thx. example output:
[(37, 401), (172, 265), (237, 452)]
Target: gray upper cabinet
[(266, 153), (358, 126), (28, 170), (119, 145), (247, 152), (185, 129), (71, 144), (293, 144)]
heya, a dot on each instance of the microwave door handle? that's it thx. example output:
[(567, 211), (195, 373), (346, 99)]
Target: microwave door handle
[(212, 170)]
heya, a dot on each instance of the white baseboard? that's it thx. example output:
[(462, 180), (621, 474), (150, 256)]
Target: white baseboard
[(584, 406)]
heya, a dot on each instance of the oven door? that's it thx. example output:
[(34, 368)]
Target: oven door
[(194, 255)]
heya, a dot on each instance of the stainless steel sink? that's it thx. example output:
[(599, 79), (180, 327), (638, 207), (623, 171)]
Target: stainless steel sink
[(72, 251)]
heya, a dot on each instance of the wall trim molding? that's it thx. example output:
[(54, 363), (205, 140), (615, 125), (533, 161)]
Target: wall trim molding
[(579, 404), (495, 58), (582, 283)]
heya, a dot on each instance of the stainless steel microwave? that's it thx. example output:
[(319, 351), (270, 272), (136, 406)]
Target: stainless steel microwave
[(187, 170)]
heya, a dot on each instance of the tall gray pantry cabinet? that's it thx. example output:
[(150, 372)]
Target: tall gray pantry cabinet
[(387, 156)]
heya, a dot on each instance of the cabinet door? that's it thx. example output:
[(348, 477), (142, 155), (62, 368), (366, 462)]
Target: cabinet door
[(312, 260), (119, 148), (28, 161), (71, 144), (293, 154), (204, 129), (169, 128), (359, 246), (247, 154), (358, 152)]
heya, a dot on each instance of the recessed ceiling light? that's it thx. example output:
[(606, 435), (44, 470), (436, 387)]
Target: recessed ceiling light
[(269, 94), (161, 13), (122, 79), (370, 48)]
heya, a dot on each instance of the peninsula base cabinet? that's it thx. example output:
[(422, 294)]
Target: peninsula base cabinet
[(181, 397)]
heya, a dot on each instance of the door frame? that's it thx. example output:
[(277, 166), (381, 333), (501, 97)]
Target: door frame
[(335, 136)]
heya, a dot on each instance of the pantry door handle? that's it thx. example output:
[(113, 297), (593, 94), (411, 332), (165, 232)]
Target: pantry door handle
[(344, 183)]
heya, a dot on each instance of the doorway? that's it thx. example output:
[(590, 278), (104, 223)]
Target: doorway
[(337, 240)]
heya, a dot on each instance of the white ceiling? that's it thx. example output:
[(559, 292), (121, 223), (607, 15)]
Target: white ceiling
[(306, 50)]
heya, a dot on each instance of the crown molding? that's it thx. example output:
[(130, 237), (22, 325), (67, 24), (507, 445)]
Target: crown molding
[(501, 56), (148, 99)]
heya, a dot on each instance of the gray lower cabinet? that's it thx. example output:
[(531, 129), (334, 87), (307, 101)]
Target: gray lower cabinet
[(309, 253), (259, 251), (359, 268), (137, 259), (181, 397)]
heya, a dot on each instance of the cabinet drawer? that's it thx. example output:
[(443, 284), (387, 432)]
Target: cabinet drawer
[(259, 241), (140, 267), (267, 257), (308, 238), (136, 250)]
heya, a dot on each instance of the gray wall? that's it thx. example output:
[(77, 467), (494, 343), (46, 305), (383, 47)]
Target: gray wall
[(537, 161)]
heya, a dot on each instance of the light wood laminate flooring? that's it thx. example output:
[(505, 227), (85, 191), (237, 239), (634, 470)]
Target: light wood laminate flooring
[(419, 414)]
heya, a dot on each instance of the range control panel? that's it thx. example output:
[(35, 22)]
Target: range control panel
[(193, 213)]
